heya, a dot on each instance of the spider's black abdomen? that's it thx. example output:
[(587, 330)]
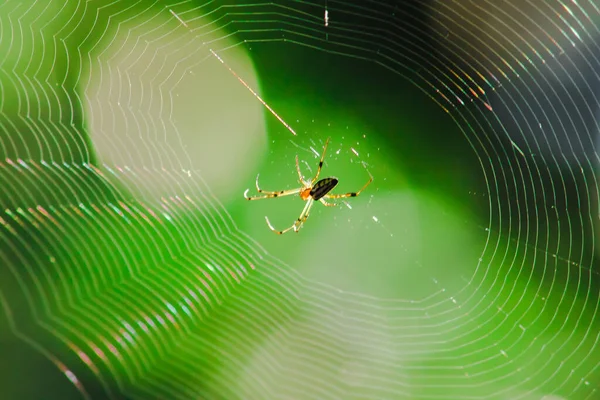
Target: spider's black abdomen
[(323, 187)]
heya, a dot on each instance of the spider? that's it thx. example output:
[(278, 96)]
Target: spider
[(310, 192)]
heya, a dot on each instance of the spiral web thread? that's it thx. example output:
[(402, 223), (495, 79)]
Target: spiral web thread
[(177, 312)]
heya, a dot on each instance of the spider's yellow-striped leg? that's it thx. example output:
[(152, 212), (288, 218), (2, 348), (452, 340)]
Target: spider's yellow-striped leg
[(298, 223), (300, 177), (328, 204), (320, 163), (351, 194), (269, 195)]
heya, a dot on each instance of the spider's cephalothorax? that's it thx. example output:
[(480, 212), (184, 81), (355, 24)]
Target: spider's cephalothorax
[(309, 192)]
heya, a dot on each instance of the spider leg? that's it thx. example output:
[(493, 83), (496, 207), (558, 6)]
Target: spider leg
[(300, 177), (259, 190), (351, 194), (320, 162), (269, 195), (298, 223), (325, 203)]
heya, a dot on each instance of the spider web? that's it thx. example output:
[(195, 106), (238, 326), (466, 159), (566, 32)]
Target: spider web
[(133, 266)]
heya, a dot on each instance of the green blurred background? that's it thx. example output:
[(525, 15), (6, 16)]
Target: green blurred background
[(134, 268)]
